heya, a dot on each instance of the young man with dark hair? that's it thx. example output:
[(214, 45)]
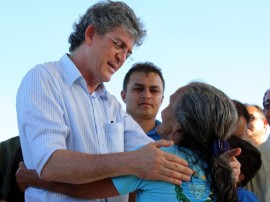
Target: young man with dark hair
[(143, 93)]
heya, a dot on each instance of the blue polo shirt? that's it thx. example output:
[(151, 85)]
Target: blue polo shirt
[(152, 133)]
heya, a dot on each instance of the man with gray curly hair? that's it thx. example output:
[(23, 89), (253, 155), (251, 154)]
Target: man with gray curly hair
[(71, 129)]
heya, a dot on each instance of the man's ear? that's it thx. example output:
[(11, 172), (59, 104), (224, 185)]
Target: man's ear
[(241, 178), (89, 34), (265, 123), (162, 99), (123, 96)]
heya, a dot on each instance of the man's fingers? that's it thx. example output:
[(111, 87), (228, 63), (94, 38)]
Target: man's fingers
[(233, 152), (170, 180), (175, 177), (176, 169), (230, 156), (162, 143), (163, 165)]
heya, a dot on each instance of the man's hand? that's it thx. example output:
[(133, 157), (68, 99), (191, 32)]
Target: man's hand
[(21, 174), (152, 163), (230, 156)]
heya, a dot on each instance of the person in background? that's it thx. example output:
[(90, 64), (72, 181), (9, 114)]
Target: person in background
[(266, 105), (190, 120), (143, 93), (72, 130), (260, 184), (257, 127), (250, 160), (243, 119), (10, 156)]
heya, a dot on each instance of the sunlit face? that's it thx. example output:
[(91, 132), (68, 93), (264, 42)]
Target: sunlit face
[(165, 129), (144, 95), (256, 126), (267, 111), (105, 56)]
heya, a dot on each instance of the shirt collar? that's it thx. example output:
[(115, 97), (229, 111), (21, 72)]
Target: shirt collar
[(72, 74), (153, 131), (102, 92)]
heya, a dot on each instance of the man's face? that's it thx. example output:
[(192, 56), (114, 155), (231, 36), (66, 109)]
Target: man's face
[(267, 111), (257, 124), (144, 95), (165, 129), (106, 54)]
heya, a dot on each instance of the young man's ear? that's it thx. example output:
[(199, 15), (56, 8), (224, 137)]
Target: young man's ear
[(162, 99), (123, 96), (241, 178)]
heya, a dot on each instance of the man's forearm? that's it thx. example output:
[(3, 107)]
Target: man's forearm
[(99, 189), (79, 168)]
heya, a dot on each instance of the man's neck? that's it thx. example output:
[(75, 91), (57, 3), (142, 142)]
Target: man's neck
[(146, 124), (258, 140), (78, 60)]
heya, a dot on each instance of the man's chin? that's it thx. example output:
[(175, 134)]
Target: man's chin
[(107, 79)]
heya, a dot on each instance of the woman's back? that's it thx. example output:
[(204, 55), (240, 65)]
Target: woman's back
[(196, 190)]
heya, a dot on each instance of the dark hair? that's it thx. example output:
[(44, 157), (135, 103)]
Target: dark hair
[(105, 16), (264, 96), (241, 110), (145, 67), (206, 115), (250, 158)]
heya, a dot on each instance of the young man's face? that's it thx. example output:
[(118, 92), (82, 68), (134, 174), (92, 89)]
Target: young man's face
[(144, 95)]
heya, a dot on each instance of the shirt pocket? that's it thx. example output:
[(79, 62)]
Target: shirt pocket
[(115, 137)]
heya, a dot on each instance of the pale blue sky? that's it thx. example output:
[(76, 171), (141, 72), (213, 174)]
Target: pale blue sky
[(224, 43)]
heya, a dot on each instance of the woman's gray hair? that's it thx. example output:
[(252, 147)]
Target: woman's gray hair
[(106, 16), (207, 115), (205, 112)]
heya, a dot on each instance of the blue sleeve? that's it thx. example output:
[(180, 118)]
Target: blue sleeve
[(246, 195), (127, 184)]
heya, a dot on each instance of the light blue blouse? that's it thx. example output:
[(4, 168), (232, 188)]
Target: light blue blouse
[(196, 190)]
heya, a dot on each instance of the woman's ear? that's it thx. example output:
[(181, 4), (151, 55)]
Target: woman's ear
[(176, 134), (177, 126)]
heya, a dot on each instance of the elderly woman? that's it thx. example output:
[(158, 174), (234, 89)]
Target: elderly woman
[(199, 118)]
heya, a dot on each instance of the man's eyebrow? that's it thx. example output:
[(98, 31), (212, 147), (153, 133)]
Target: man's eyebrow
[(154, 86), (122, 43), (142, 85), (138, 85)]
